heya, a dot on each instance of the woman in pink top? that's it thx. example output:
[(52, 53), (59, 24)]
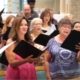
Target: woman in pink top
[(19, 68)]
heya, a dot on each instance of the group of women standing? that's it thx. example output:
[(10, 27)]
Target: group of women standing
[(60, 63)]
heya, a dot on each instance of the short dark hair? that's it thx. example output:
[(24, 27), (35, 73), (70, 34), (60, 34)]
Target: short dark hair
[(31, 1)]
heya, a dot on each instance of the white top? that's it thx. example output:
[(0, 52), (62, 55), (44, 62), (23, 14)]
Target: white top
[(49, 29)]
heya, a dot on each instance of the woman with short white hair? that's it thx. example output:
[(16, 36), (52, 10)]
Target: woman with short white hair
[(35, 27)]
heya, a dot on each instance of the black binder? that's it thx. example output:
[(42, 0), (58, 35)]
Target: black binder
[(43, 39), (25, 49), (72, 40)]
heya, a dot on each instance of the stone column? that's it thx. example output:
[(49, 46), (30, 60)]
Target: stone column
[(65, 6)]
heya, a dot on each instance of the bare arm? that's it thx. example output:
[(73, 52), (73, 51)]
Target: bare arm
[(11, 56), (78, 53), (47, 56)]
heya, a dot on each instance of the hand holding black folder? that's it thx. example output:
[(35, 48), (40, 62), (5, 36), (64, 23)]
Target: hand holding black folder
[(72, 41), (25, 49)]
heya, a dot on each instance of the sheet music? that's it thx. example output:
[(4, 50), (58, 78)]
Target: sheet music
[(5, 47)]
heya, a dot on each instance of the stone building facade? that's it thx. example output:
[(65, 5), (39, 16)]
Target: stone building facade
[(61, 6)]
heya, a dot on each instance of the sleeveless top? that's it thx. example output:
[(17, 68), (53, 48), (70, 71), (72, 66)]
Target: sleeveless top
[(63, 62), (23, 72)]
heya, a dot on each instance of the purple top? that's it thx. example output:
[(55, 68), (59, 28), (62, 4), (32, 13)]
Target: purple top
[(63, 63)]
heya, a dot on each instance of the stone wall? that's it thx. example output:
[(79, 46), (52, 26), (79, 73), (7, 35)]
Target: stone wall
[(53, 4), (61, 6), (75, 9)]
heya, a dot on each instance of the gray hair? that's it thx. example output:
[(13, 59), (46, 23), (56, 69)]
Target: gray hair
[(33, 21)]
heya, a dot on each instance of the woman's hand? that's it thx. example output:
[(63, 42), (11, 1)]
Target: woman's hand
[(29, 59), (77, 47), (78, 56), (48, 77)]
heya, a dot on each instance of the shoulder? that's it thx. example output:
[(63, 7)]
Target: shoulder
[(10, 42), (35, 14), (10, 45), (50, 42), (53, 26)]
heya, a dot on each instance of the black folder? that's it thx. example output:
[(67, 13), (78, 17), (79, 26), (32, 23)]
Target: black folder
[(72, 40), (25, 49), (3, 59), (43, 39)]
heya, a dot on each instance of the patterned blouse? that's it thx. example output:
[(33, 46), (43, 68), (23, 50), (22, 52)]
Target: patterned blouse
[(63, 63)]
